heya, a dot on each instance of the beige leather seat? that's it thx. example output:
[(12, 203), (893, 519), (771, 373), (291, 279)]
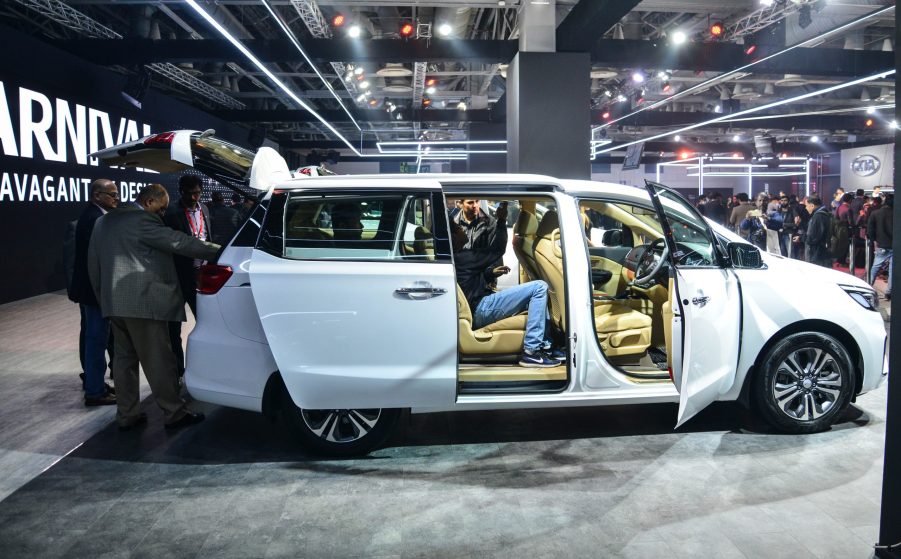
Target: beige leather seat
[(524, 243), (502, 337), (620, 330)]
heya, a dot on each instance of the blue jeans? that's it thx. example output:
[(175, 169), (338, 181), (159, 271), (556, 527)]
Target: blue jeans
[(531, 296), (96, 336), (882, 256)]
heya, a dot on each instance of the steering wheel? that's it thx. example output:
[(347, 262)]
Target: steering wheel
[(647, 265)]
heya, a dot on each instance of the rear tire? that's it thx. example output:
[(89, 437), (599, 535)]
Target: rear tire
[(342, 433), (804, 383)]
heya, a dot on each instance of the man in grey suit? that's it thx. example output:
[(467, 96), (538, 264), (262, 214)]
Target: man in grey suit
[(132, 272)]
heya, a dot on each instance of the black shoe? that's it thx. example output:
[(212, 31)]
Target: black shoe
[(190, 418), (140, 421), (109, 388), (537, 359), (106, 399)]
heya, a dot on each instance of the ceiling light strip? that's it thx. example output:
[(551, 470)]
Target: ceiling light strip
[(256, 62), (303, 53), (723, 77), (811, 113), (755, 109)]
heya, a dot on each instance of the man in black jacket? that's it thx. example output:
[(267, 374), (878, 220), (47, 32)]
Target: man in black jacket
[(879, 230), (191, 217), (95, 328), (819, 230)]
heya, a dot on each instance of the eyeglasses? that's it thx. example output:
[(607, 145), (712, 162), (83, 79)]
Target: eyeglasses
[(111, 194)]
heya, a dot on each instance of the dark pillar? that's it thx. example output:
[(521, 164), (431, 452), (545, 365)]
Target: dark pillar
[(490, 163), (890, 523), (548, 115)]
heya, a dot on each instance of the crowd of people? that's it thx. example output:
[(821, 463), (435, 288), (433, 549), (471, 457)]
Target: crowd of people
[(133, 268), (809, 229)]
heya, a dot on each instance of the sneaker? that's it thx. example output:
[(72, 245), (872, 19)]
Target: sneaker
[(556, 353), (537, 359)]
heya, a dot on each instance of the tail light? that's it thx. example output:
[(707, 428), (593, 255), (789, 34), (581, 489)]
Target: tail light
[(212, 277), (159, 139)]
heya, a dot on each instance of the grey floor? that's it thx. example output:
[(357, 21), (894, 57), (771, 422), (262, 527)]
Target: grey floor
[(605, 482)]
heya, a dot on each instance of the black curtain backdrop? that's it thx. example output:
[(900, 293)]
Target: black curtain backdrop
[(32, 226)]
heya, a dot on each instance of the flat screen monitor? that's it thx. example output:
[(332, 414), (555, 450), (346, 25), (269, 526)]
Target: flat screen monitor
[(633, 156)]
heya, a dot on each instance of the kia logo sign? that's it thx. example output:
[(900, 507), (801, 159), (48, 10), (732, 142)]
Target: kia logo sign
[(865, 165)]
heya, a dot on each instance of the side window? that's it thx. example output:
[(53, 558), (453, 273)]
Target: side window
[(357, 226), (603, 230)]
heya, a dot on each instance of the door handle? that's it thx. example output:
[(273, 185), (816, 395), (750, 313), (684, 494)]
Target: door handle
[(420, 292), (700, 301)]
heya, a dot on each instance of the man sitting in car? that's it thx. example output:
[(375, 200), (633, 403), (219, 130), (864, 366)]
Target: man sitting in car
[(479, 242)]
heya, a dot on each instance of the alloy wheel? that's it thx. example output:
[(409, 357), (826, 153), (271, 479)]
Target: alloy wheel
[(341, 426), (807, 384)]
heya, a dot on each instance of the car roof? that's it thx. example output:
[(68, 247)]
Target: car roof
[(459, 181)]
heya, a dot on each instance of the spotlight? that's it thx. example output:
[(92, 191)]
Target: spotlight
[(430, 90), (444, 29), (869, 122), (750, 49), (621, 98), (663, 75), (893, 124), (361, 97), (736, 155), (666, 87), (406, 30), (637, 77), (815, 139), (767, 2), (373, 102), (338, 20), (461, 106), (677, 138), (605, 115), (684, 154), (717, 30), (361, 77), (871, 110), (608, 93), (736, 138), (354, 31), (364, 84), (430, 82), (718, 109), (426, 102), (358, 70), (679, 37)]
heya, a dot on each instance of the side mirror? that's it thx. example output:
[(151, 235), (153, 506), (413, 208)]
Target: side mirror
[(744, 255), (612, 238)]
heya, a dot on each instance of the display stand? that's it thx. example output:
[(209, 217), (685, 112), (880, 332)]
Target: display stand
[(724, 166)]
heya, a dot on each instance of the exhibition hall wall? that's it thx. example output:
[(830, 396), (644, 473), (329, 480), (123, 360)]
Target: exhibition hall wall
[(55, 109)]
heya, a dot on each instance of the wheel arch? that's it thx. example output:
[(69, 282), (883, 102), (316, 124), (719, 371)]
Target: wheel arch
[(809, 325)]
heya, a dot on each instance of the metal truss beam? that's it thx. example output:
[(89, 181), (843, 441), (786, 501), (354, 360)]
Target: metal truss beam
[(587, 22), (71, 18), (617, 53)]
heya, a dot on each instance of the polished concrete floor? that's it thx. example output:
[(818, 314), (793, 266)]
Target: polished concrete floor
[(604, 482)]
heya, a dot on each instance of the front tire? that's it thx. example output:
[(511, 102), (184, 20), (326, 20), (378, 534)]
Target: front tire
[(334, 432), (804, 383)]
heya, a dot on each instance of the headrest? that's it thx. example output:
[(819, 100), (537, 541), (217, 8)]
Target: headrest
[(526, 224), (548, 224)]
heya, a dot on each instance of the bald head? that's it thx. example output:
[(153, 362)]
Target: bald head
[(105, 194)]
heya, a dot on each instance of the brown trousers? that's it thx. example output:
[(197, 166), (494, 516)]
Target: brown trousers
[(144, 341)]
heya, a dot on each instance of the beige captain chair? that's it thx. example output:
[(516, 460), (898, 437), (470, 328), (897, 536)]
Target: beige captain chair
[(502, 337), (620, 330)]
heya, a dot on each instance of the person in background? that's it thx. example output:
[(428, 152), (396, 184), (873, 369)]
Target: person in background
[(837, 199), (224, 220), (95, 327), (739, 213), (843, 218), (818, 231), (801, 217), (857, 204), (134, 278), (715, 210), (190, 217), (247, 208), (236, 201), (879, 230), (782, 220), (702, 205)]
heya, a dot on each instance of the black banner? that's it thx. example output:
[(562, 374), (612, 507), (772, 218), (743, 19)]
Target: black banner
[(56, 109)]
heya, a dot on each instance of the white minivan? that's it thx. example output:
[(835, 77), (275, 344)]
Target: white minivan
[(652, 302)]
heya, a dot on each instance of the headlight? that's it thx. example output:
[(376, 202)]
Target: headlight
[(866, 298)]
